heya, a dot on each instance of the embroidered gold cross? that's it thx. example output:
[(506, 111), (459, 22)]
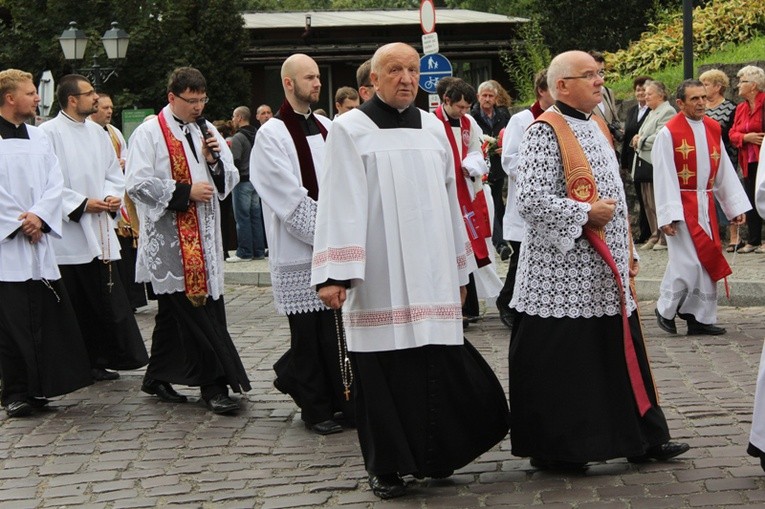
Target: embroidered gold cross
[(685, 149), (715, 155), (686, 174)]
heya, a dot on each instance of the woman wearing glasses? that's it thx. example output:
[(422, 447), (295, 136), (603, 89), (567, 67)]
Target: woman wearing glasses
[(746, 135)]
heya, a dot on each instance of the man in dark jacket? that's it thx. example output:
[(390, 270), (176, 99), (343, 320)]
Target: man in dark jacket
[(251, 238), (492, 120)]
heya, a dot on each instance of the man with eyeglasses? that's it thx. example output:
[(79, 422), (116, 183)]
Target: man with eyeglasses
[(580, 383), (88, 247), (177, 173)]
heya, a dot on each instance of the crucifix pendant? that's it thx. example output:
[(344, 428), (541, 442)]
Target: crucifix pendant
[(347, 393)]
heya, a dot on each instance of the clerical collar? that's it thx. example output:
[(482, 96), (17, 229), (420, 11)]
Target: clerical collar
[(567, 110), (9, 130), (454, 122), (72, 118), (388, 117)]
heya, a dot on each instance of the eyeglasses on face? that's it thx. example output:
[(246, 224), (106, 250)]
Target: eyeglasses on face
[(89, 92), (194, 102), (591, 76)]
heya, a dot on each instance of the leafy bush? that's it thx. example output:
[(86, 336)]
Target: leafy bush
[(529, 55), (718, 23)]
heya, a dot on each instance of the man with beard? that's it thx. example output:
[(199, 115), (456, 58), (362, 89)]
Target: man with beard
[(286, 166), (41, 349), (93, 188), (177, 172), (390, 238)]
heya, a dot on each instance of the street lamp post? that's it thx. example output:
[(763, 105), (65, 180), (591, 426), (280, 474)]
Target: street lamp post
[(115, 40)]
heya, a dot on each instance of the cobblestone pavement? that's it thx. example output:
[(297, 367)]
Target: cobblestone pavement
[(112, 446)]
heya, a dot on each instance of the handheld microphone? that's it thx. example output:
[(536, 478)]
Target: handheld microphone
[(202, 123)]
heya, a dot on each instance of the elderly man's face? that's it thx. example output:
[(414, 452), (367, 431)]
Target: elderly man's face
[(264, 114), (396, 83), (582, 89), (487, 99), (695, 103)]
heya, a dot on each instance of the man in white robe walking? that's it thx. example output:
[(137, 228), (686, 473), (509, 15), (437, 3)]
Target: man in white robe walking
[(391, 239), (285, 167), (580, 383), (179, 168), (93, 188), (41, 348), (690, 169)]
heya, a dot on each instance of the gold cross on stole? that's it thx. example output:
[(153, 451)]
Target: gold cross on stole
[(686, 174), (715, 155), (685, 149)]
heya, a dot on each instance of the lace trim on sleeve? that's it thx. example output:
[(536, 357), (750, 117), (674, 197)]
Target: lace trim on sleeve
[(302, 222)]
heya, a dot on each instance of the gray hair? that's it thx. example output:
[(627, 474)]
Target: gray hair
[(660, 87), (754, 74), (487, 85)]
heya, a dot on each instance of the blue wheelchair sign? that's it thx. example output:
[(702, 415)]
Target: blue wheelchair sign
[(433, 68)]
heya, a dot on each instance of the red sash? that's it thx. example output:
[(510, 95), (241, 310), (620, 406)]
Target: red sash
[(581, 186), (708, 249), (192, 254), (475, 226)]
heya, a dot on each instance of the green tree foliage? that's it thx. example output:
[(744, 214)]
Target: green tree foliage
[(164, 34), (529, 55)]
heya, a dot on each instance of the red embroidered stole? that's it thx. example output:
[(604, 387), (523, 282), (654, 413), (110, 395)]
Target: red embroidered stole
[(708, 248), (473, 224), (192, 254), (581, 186)]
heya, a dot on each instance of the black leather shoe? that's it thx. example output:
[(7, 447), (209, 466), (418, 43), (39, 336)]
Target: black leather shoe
[(327, 427), (163, 391), (506, 317), (558, 466), (37, 402), (661, 452), (665, 324), (387, 486), (702, 329), (18, 409), (100, 374), (222, 404)]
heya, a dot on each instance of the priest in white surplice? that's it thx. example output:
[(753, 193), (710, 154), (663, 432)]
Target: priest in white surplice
[(689, 167), (177, 176), (464, 136), (41, 349), (93, 189), (285, 167), (390, 237), (757, 435)]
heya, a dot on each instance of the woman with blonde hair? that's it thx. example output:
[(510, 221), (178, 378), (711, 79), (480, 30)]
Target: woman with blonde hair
[(746, 135), (723, 111), (657, 99)]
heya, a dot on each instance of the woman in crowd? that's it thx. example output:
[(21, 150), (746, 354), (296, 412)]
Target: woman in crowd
[(657, 99), (636, 115), (746, 135), (723, 111)]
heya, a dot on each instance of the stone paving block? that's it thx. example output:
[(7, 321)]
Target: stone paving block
[(113, 495), (19, 504), (79, 502), (680, 488), (715, 499), (70, 490), (165, 490), (741, 483), (603, 505), (306, 500)]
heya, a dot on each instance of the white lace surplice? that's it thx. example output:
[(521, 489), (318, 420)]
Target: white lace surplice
[(559, 273), (288, 212), (150, 185)]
